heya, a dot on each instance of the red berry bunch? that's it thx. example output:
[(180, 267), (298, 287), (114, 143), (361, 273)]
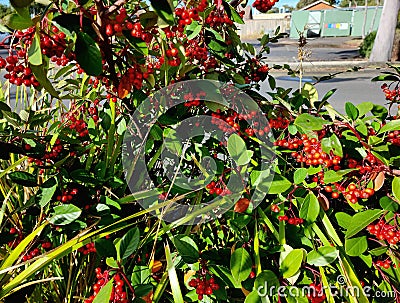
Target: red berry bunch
[(87, 249), (391, 95), (173, 56), (385, 264), (186, 17), (218, 17), (311, 152), (53, 46), (67, 195), (17, 70), (292, 220), (394, 138), (204, 286), (75, 123), (118, 294), (256, 70), (264, 6), (384, 231), (316, 293), (191, 100), (215, 188), (279, 123), (195, 52)]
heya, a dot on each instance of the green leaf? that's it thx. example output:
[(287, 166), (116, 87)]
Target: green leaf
[(362, 220), (46, 191), (332, 176), (351, 111), (88, 54), (187, 249), (83, 176), (40, 73), (173, 277), (309, 122), (323, 256), (356, 246), (232, 13), (237, 150), (240, 264), (266, 278), (343, 219), (129, 243), (300, 175), (17, 22), (193, 29), (310, 92), (20, 3), (310, 208), (388, 204), (34, 51), (23, 178), (253, 297), (279, 185), (164, 10), (292, 263), (332, 144), (138, 44), (390, 126), (142, 290), (104, 294), (364, 108), (396, 188), (65, 214), (105, 248)]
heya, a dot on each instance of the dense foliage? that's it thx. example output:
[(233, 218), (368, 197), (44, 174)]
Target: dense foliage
[(314, 200)]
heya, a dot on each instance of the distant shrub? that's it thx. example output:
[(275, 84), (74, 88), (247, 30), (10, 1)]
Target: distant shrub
[(367, 44)]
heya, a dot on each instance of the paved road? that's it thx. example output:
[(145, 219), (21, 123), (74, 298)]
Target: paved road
[(354, 87)]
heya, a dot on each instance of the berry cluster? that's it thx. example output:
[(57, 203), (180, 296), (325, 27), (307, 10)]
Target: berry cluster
[(394, 137), (385, 264), (311, 153), (67, 195), (204, 286), (191, 100), (214, 189), (121, 22), (186, 16), (17, 71), (118, 294), (264, 6), (54, 45), (392, 95), (292, 221), (384, 231), (316, 293), (218, 17), (255, 71), (173, 56), (279, 123), (87, 249), (196, 52), (79, 125)]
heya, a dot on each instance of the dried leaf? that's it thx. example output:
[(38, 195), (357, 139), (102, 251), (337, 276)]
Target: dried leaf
[(379, 181)]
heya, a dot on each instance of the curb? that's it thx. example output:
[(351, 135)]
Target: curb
[(324, 65)]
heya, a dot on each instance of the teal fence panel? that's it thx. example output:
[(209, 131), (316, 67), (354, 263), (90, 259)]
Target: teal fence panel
[(298, 23), (371, 24), (336, 23)]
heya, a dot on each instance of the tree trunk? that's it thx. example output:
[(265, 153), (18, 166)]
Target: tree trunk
[(365, 19), (382, 49)]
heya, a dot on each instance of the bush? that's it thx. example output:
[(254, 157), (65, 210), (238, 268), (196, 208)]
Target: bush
[(367, 44)]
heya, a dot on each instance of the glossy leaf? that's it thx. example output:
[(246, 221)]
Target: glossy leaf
[(65, 214), (129, 243), (187, 248), (240, 264)]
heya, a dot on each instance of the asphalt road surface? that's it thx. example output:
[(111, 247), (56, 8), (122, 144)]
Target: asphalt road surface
[(354, 87)]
